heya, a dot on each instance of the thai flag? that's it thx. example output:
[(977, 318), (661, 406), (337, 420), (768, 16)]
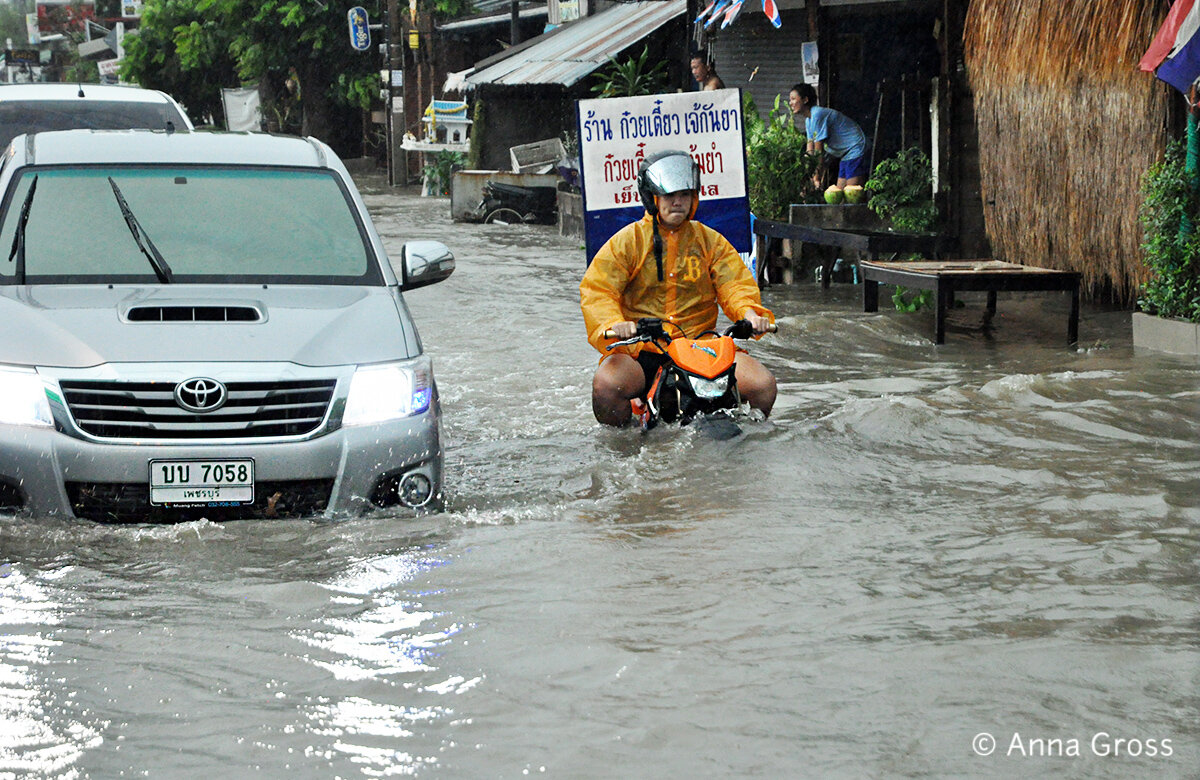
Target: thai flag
[(772, 12), (707, 10), (731, 14), (1174, 54)]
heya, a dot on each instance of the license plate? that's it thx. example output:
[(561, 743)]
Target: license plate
[(202, 482)]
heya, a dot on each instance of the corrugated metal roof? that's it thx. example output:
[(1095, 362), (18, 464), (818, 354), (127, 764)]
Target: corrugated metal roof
[(484, 7), (571, 52), (482, 21)]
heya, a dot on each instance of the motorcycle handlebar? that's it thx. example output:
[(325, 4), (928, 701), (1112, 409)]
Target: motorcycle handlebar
[(609, 334)]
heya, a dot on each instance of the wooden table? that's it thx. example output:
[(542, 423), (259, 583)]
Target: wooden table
[(865, 241), (946, 277)]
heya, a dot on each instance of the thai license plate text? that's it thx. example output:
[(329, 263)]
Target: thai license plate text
[(204, 482)]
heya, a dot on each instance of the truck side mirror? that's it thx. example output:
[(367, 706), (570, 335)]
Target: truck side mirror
[(423, 263)]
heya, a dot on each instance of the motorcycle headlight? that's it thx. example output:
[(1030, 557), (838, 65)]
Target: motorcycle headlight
[(23, 398), (388, 392), (709, 388)]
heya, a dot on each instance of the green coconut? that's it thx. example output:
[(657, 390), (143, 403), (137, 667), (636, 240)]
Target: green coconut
[(834, 194)]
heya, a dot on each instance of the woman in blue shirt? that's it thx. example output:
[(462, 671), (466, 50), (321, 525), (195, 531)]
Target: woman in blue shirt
[(831, 131)]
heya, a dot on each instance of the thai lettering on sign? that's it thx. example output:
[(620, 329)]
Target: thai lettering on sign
[(616, 134)]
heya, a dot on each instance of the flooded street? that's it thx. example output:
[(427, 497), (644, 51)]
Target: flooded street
[(978, 559)]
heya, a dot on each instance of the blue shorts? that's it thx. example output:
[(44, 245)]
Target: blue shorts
[(848, 169)]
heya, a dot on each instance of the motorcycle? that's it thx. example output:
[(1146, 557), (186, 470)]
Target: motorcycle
[(696, 383), (510, 204)]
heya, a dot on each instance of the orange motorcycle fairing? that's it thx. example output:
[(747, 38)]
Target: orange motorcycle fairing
[(708, 358)]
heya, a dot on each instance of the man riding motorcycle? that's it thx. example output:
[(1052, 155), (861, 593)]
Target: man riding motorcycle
[(671, 267)]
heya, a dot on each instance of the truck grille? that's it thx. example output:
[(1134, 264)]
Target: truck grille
[(130, 503), (147, 410)]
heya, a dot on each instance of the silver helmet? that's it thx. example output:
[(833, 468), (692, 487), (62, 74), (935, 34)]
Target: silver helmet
[(665, 172)]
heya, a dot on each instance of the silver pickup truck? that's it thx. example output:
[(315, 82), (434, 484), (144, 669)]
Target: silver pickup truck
[(206, 325)]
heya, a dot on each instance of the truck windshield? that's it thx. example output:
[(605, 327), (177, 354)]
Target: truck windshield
[(211, 224)]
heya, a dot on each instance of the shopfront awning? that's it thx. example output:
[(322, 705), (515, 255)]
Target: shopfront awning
[(573, 51)]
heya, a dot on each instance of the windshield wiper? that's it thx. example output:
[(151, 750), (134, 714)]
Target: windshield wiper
[(18, 244), (161, 269)]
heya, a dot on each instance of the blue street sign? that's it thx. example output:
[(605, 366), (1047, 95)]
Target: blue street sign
[(360, 29)]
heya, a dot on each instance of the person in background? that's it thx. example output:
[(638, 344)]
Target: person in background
[(705, 73), (831, 132), (670, 267)]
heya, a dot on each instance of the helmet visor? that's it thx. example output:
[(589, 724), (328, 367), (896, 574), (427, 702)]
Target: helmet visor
[(673, 174)]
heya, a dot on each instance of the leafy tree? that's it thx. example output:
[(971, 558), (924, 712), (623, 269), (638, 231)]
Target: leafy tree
[(12, 24), (192, 48), (181, 51)]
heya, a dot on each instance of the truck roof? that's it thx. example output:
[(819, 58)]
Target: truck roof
[(81, 147), (62, 91)]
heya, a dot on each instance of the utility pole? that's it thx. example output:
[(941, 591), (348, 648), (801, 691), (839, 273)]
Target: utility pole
[(515, 26), (391, 29)]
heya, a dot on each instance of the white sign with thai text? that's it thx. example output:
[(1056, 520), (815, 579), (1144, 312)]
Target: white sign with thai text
[(615, 134)]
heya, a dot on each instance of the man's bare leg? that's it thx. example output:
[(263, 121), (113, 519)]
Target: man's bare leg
[(618, 379), (755, 383)]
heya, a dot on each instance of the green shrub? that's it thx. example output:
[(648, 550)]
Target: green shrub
[(437, 173), (631, 77), (1169, 213), (778, 170), (901, 191)]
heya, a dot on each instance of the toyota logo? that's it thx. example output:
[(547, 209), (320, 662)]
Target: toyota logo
[(200, 395)]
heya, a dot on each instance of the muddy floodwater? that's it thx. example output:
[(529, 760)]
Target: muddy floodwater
[(978, 559)]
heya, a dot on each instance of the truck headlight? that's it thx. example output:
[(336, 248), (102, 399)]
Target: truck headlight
[(23, 398), (388, 392), (709, 388)]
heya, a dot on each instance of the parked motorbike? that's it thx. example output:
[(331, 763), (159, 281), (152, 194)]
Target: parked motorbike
[(696, 384), (513, 204)]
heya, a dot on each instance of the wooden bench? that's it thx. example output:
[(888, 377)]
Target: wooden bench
[(946, 277)]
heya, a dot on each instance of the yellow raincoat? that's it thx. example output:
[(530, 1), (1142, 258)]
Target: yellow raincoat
[(701, 269)]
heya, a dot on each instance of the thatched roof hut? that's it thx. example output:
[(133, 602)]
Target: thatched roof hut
[(1067, 126)]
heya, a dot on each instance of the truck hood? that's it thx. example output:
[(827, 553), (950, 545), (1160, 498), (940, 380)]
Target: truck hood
[(78, 326)]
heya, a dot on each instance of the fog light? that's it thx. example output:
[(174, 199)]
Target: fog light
[(415, 489)]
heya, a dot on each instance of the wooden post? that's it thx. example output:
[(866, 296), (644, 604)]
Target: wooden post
[(939, 318), (814, 34), (870, 295)]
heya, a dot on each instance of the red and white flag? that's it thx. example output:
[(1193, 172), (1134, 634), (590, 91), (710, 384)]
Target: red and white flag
[(772, 12), (708, 9), (715, 14), (731, 14)]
